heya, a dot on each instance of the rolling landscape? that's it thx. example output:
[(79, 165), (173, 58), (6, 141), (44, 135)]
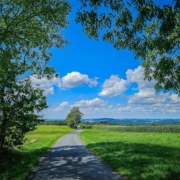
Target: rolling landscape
[(134, 121), (89, 90)]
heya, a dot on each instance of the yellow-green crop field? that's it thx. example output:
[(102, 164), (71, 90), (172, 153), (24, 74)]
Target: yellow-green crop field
[(17, 163), (137, 155)]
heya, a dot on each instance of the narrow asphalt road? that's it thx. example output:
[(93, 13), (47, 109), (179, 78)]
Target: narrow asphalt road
[(69, 159)]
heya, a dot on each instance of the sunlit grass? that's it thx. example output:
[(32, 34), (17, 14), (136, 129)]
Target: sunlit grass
[(17, 163), (137, 156)]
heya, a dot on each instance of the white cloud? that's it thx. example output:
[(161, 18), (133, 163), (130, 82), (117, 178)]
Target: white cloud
[(127, 108), (48, 91), (71, 80), (147, 93), (175, 98), (75, 79), (46, 84), (116, 86), (145, 102), (63, 106), (172, 110), (172, 107), (93, 82), (90, 103), (137, 75), (113, 86), (149, 97)]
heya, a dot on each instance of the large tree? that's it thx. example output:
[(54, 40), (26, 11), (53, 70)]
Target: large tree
[(74, 117), (28, 28), (149, 28)]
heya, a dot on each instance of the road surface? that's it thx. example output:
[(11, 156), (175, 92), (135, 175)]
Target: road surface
[(69, 159)]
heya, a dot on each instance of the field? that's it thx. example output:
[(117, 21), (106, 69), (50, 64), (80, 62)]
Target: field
[(121, 128), (137, 155), (18, 163)]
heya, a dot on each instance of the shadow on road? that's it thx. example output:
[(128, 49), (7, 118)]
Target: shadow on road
[(73, 162)]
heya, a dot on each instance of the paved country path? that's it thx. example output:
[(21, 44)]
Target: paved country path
[(69, 159)]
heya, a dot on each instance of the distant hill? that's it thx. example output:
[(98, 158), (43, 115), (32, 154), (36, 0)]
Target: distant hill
[(135, 121)]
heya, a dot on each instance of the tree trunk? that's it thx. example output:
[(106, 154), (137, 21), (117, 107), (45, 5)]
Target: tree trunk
[(3, 129), (4, 121), (2, 139)]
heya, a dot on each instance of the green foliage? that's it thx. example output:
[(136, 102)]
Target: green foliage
[(17, 163), (27, 30), (88, 125), (85, 126), (149, 28), (54, 122), (74, 117), (137, 156), (162, 129), (17, 115)]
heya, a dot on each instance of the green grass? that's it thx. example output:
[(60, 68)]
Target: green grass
[(137, 155), (17, 163)]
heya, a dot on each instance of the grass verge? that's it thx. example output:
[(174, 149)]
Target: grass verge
[(17, 163), (137, 155)]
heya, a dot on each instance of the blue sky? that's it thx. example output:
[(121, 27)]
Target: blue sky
[(102, 82)]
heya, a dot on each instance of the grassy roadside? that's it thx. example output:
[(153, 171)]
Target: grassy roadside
[(137, 155), (17, 163)]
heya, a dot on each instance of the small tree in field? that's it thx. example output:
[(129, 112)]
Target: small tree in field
[(74, 117)]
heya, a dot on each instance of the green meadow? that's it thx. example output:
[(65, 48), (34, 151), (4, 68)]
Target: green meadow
[(17, 163), (137, 155)]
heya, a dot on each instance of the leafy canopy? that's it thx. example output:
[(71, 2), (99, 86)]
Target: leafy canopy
[(74, 117), (149, 28), (27, 30)]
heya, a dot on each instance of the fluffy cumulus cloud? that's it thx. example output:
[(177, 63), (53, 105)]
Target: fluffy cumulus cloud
[(147, 93), (147, 100), (113, 86), (46, 84), (63, 106), (71, 80), (148, 97), (137, 75), (143, 102), (48, 91), (93, 82), (75, 79), (90, 103), (175, 98)]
